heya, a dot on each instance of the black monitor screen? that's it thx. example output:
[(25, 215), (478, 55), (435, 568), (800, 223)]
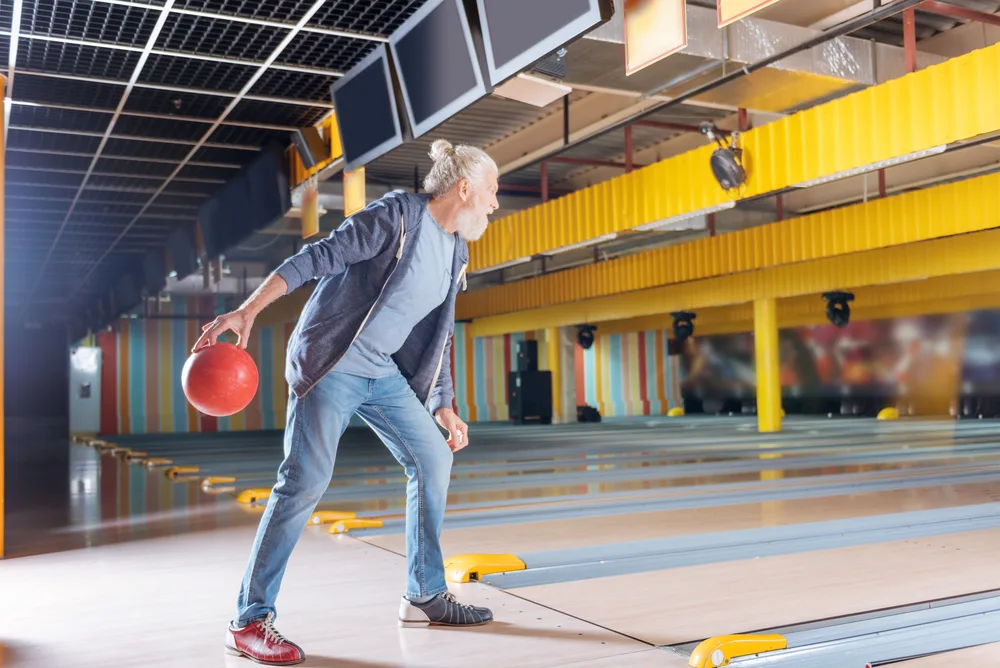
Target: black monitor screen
[(437, 64), (366, 110), (519, 32)]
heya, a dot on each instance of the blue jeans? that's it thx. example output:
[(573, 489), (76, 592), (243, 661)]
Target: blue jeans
[(314, 426)]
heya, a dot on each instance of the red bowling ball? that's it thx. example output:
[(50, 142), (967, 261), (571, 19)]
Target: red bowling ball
[(220, 380)]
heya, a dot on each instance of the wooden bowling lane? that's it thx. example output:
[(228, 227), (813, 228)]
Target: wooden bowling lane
[(166, 602), (530, 537), (681, 605)]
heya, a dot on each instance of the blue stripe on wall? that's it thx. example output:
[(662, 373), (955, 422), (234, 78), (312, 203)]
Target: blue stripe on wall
[(589, 369), (136, 378), (137, 477), (180, 355)]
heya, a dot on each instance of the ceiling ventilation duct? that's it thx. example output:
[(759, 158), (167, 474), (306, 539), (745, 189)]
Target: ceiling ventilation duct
[(832, 69)]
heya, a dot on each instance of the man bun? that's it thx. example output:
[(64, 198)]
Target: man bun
[(454, 163)]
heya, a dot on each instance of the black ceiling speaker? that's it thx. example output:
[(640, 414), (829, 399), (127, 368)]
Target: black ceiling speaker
[(552, 65), (838, 311), (585, 335), (683, 325), (727, 160)]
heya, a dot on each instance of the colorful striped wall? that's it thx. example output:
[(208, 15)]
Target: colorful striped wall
[(141, 370), (630, 374), (622, 374), (480, 368)]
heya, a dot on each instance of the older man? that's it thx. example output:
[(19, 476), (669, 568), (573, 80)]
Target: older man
[(372, 340)]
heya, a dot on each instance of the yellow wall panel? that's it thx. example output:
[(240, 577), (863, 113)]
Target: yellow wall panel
[(946, 294), (942, 211), (961, 254), (954, 100)]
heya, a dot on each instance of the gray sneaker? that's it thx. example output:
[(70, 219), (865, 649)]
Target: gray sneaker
[(442, 610)]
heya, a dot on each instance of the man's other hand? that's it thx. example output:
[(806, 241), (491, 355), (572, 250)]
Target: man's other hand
[(458, 431)]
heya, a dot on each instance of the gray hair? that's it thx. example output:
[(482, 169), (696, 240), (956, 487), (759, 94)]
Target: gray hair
[(454, 163)]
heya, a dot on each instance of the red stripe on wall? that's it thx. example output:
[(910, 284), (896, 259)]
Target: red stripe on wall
[(643, 390), (206, 305), (470, 368), (193, 332), (109, 382), (124, 409), (209, 423)]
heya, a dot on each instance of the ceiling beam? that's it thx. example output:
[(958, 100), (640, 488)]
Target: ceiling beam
[(318, 30), (955, 12), (123, 175), (95, 44), (181, 89), (157, 140), (165, 117), (115, 156)]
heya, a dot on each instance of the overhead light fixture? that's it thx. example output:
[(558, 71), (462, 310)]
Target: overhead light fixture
[(683, 325), (685, 221), (585, 335), (884, 164), (498, 267), (838, 310), (582, 244), (727, 159)]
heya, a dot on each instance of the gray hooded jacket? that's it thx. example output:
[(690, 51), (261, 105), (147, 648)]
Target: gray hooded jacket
[(356, 267)]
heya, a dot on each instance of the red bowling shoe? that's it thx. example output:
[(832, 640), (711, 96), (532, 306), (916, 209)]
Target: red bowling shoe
[(259, 641)]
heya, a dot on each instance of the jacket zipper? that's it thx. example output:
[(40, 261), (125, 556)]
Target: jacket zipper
[(437, 371), (399, 256)]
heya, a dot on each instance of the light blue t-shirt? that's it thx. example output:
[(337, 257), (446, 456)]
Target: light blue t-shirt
[(421, 290)]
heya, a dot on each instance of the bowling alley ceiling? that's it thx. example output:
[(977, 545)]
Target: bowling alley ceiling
[(123, 116)]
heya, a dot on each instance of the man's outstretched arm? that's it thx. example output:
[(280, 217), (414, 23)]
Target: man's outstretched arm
[(241, 320)]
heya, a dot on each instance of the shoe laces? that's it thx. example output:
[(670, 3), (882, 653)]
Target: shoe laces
[(271, 634), (448, 596)]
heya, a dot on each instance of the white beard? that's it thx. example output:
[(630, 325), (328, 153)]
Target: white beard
[(471, 227)]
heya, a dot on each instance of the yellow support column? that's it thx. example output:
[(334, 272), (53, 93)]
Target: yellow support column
[(552, 363), (765, 331)]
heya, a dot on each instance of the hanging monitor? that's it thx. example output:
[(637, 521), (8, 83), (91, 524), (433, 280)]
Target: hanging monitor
[(518, 33), (367, 113), (439, 61)]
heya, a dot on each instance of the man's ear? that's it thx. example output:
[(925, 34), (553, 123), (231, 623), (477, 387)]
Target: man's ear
[(463, 189)]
